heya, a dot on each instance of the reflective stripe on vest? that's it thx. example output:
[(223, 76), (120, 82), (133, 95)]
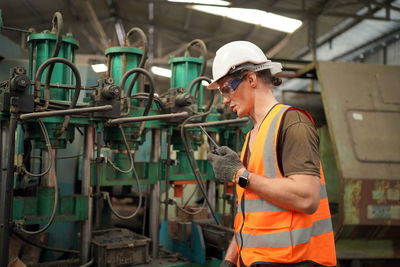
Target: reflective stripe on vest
[(288, 238), (273, 234)]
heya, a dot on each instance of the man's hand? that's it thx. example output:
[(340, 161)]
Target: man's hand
[(225, 163)]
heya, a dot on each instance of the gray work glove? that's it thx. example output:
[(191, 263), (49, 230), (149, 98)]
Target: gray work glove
[(225, 163), (227, 263)]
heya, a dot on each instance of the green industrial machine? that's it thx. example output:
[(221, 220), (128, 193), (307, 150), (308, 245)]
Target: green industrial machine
[(136, 144)]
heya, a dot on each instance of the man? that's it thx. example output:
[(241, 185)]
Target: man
[(283, 215)]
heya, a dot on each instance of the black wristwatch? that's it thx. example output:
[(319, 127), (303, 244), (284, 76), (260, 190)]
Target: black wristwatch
[(244, 179)]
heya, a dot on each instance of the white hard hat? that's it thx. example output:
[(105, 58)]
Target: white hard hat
[(236, 53)]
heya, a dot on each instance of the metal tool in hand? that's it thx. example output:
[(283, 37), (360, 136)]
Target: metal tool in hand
[(214, 146)]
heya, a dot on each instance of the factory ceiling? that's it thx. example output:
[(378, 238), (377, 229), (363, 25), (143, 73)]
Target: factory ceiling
[(96, 23)]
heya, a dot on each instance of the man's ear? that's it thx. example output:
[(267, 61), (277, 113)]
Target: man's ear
[(252, 79)]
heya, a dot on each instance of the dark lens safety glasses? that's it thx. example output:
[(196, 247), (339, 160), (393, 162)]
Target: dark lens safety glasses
[(231, 85)]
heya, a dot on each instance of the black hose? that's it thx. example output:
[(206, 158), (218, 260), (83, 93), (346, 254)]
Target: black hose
[(156, 99), (77, 87), (144, 56), (198, 80), (151, 81), (27, 240), (203, 48), (57, 29)]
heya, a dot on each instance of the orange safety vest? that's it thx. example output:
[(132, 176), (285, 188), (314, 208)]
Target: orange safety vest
[(269, 233)]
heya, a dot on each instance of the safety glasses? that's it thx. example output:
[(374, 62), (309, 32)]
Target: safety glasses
[(231, 85)]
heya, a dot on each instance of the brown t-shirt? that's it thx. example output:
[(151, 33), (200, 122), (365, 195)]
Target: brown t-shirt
[(298, 145)]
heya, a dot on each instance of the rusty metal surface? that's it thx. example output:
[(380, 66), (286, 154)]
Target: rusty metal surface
[(350, 87), (372, 202)]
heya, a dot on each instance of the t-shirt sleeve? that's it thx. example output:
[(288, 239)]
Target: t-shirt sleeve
[(299, 145)]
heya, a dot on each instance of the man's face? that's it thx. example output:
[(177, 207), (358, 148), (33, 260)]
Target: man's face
[(233, 90)]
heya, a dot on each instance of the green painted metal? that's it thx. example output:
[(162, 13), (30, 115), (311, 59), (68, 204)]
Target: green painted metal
[(36, 210), (184, 71), (147, 172), (34, 133), (123, 59), (41, 46), (183, 171), (329, 165)]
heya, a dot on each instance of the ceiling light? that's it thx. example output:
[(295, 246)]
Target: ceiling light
[(205, 83), (204, 2), (99, 68), (161, 71), (253, 16)]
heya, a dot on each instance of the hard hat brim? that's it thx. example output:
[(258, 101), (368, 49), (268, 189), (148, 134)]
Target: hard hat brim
[(213, 85)]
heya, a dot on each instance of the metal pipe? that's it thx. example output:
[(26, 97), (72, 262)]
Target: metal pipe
[(216, 123), (154, 218), (6, 187), (45, 114), (211, 193), (48, 180), (167, 174), (148, 118), (67, 86), (86, 227), (98, 201)]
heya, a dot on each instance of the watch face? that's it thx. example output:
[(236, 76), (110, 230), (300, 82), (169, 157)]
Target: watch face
[(243, 182)]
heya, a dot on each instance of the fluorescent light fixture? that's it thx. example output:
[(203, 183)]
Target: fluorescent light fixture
[(204, 2), (161, 71), (99, 68), (204, 83), (253, 16)]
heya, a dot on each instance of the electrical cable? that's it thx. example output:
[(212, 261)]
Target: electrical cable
[(89, 263), (23, 238), (190, 197), (50, 159), (198, 210), (53, 213), (193, 162), (129, 154), (107, 195)]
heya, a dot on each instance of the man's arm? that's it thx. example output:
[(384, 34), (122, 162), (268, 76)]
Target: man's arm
[(299, 192), (232, 253)]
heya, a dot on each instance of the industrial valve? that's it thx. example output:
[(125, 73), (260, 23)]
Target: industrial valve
[(107, 93), (176, 100), (17, 86)]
